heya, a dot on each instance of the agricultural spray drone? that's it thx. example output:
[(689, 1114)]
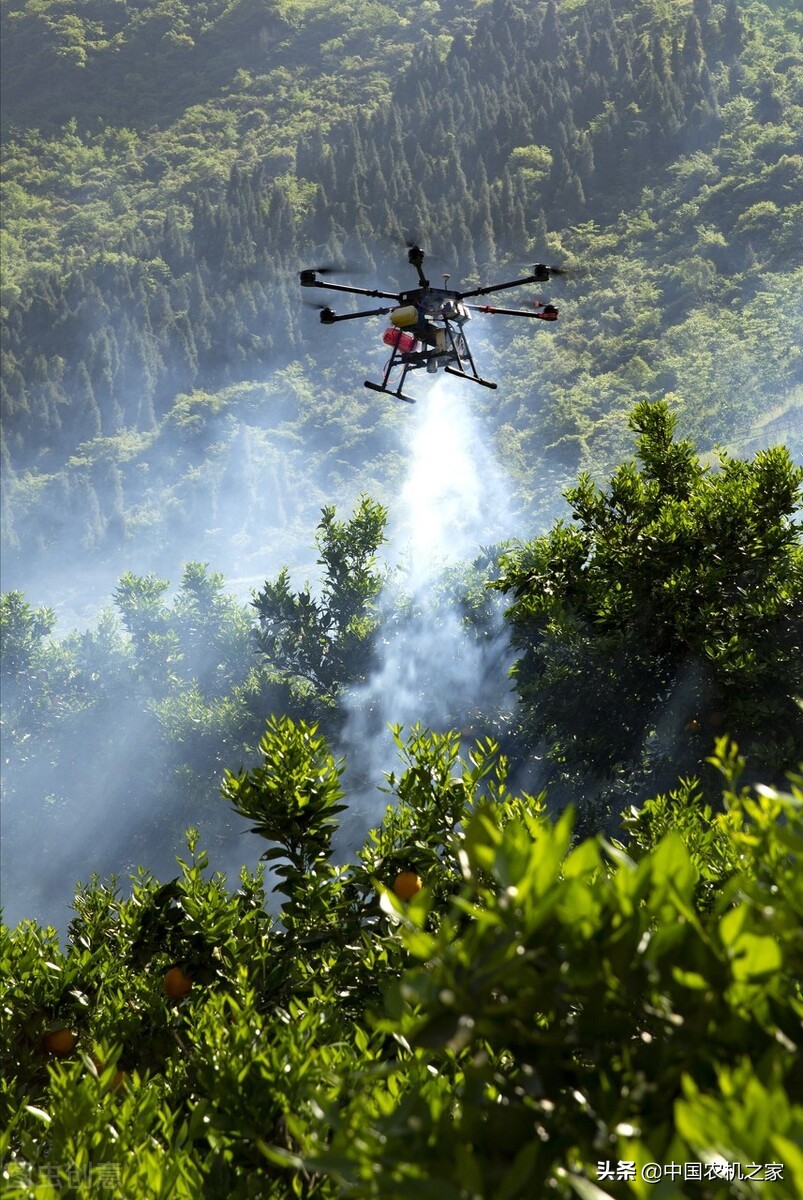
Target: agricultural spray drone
[(427, 324)]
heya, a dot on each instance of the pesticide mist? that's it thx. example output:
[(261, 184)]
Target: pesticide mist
[(432, 667), (124, 792)]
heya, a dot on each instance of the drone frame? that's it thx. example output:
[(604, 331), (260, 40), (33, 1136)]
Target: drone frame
[(446, 346)]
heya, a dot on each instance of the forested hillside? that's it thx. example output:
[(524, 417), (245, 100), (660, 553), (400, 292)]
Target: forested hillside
[(160, 375)]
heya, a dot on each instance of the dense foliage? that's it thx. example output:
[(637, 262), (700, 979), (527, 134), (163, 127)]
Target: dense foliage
[(539, 1012), (676, 598), (159, 696), (545, 1011), (673, 603), (326, 641)]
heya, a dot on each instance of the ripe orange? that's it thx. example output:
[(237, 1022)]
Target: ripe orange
[(177, 983), (60, 1042), (407, 884)]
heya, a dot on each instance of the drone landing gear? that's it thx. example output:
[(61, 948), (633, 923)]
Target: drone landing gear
[(471, 378), (377, 387), (409, 361)]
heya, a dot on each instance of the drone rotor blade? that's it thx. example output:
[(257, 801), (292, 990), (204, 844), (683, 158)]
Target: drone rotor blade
[(567, 272), (406, 236), (347, 268), (409, 238)]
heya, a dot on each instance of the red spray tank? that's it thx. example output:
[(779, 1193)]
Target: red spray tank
[(404, 342)]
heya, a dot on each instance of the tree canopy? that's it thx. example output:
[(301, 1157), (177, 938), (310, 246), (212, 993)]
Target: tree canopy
[(676, 581), (542, 1013)]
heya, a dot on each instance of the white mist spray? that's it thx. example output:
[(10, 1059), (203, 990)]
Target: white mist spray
[(455, 498), (430, 668)]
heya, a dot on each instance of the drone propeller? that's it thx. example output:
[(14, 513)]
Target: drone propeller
[(342, 268), (330, 268), (405, 236), (410, 239), (327, 314), (544, 272)]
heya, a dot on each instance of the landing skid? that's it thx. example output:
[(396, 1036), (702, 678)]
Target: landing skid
[(471, 378), (377, 387)]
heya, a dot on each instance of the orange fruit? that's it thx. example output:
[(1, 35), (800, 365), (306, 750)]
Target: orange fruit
[(177, 983), (118, 1078), (60, 1042), (407, 884)]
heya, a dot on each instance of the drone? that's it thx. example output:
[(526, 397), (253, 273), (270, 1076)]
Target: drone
[(427, 324)]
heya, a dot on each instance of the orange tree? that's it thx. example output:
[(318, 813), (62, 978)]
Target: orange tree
[(673, 604), (538, 1007), (175, 1096), (321, 643), (584, 1010)]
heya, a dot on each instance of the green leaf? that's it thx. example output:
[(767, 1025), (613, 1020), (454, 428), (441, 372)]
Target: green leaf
[(732, 924), (754, 955), (690, 979), (672, 865)]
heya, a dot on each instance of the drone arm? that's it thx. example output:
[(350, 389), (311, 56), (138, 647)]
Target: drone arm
[(500, 287), (540, 274), (547, 313), (328, 317), (342, 287)]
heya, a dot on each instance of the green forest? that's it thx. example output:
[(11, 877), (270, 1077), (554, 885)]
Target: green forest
[(344, 860), (160, 201)]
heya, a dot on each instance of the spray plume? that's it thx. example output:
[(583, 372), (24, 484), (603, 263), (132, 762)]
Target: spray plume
[(431, 667)]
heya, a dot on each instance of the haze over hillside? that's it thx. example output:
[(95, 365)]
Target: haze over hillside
[(168, 399), (165, 393)]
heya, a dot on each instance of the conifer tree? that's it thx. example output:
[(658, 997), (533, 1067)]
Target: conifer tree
[(733, 32), (693, 56), (552, 38), (87, 422)]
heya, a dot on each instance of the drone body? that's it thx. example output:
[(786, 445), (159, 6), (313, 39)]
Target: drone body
[(427, 323)]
